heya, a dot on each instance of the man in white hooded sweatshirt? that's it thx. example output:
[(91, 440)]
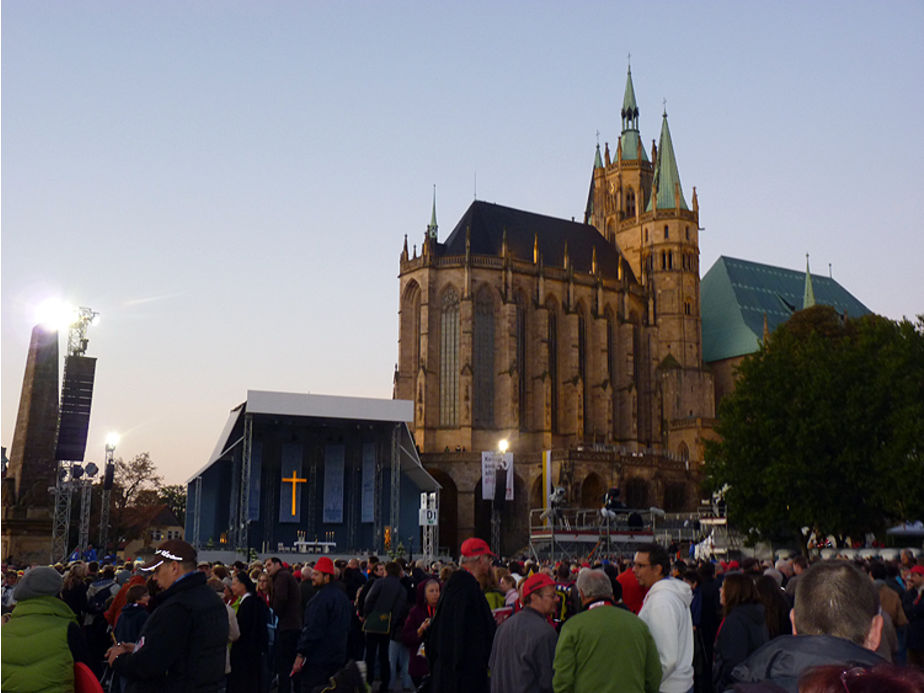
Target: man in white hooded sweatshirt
[(666, 612)]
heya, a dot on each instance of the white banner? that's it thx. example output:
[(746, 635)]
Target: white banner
[(492, 465)]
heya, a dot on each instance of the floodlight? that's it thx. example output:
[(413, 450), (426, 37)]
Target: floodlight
[(112, 439), (503, 445), (91, 469), (76, 471), (55, 314)]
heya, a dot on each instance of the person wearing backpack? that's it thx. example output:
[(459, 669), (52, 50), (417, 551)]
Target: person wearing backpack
[(387, 595)]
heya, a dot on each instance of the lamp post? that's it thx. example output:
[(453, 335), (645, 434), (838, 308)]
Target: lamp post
[(111, 441), (500, 487)]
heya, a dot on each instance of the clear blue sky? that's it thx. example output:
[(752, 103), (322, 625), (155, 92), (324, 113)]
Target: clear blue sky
[(229, 184)]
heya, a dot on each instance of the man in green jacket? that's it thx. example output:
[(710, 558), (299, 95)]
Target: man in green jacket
[(42, 640), (604, 648)]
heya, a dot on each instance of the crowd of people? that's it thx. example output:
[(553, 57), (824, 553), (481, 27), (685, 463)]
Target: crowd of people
[(645, 622)]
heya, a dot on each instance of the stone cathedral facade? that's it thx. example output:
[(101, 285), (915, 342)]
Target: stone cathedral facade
[(580, 338)]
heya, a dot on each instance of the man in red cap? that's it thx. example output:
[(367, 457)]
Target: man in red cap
[(524, 647), (322, 644), (459, 639)]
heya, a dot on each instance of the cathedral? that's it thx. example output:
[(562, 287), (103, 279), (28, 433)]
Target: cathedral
[(583, 339)]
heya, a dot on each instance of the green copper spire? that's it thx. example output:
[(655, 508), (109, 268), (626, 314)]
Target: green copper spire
[(598, 160), (808, 296), (629, 140), (629, 106), (666, 181), (432, 227)]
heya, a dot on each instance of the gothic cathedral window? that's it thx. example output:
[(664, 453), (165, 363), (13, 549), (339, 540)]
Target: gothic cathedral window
[(521, 363), (483, 359), (449, 359), (553, 365)]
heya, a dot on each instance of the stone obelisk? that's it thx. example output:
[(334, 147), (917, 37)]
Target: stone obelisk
[(28, 506)]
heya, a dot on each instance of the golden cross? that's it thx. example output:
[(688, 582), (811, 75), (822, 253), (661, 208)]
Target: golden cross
[(294, 480)]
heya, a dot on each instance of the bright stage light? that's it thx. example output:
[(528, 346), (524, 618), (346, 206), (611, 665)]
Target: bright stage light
[(503, 445), (55, 314), (112, 439)]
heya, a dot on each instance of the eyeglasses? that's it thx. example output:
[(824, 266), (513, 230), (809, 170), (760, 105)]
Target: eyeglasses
[(851, 675)]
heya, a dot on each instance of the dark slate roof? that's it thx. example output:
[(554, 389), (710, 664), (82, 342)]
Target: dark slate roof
[(488, 222), (735, 295)]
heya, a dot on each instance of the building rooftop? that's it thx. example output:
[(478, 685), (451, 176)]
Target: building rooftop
[(487, 223), (737, 294)]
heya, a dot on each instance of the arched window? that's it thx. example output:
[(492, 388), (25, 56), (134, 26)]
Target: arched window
[(483, 359), (611, 364), (552, 341), (582, 367), (410, 327), (449, 359), (521, 362)]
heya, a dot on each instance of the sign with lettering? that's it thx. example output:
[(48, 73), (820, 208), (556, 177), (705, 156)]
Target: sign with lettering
[(429, 517)]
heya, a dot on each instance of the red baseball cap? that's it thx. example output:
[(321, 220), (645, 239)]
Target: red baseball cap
[(476, 547), (536, 582), (917, 570), (324, 565)]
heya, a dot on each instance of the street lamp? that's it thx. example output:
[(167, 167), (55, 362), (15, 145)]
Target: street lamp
[(112, 439), (500, 488)]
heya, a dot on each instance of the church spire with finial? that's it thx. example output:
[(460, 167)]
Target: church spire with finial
[(808, 295), (666, 182), (630, 144), (433, 227)]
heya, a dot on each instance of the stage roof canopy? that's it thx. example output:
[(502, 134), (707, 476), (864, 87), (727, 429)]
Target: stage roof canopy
[(329, 407)]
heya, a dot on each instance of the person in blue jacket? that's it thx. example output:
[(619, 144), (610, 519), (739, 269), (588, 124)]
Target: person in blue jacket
[(322, 644)]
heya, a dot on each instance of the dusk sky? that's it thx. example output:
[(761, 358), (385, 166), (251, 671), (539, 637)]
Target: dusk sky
[(229, 184)]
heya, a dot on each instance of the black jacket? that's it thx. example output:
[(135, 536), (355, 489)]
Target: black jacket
[(182, 644), (248, 651), (388, 594), (742, 632), (782, 660), (913, 604), (323, 640), (460, 637)]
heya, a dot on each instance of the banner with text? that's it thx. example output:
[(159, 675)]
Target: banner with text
[(494, 466)]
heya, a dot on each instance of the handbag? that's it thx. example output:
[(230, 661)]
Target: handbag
[(378, 623)]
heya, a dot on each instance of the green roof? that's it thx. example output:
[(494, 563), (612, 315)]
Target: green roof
[(598, 160), (666, 176), (632, 146), (736, 294), (628, 100)]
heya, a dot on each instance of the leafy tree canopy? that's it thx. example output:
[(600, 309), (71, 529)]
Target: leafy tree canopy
[(825, 428)]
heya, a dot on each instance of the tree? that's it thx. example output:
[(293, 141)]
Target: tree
[(174, 496), (825, 428), (131, 482)]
